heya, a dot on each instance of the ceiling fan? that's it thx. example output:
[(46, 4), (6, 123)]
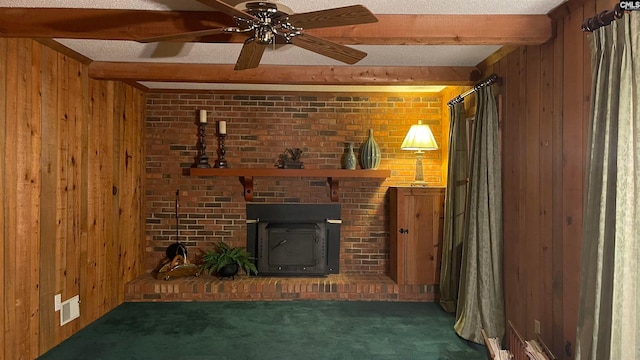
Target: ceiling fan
[(270, 23)]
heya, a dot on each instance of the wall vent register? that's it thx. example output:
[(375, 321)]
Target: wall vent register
[(69, 310)]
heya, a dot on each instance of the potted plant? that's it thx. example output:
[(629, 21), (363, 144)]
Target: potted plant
[(225, 260)]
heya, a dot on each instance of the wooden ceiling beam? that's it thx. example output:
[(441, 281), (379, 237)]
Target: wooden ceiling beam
[(280, 74), (445, 30), (114, 24), (103, 24)]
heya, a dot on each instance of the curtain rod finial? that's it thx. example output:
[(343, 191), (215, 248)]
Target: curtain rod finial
[(602, 19)]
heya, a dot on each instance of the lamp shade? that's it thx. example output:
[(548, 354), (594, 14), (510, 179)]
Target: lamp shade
[(419, 138)]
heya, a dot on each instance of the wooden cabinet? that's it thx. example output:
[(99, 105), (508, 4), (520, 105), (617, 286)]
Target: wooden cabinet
[(416, 221)]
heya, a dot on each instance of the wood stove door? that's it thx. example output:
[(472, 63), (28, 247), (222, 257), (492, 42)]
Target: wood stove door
[(291, 248)]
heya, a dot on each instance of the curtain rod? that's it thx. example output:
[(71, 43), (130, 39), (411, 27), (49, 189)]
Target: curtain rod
[(486, 82), (603, 19)]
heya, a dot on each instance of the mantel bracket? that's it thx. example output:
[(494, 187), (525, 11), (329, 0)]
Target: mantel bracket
[(334, 186), (247, 183)]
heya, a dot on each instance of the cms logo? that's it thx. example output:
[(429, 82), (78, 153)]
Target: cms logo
[(630, 5)]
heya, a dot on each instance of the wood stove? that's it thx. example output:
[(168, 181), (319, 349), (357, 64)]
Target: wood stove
[(294, 239)]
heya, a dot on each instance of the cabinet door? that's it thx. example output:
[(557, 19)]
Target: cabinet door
[(398, 228), (416, 225), (424, 237)]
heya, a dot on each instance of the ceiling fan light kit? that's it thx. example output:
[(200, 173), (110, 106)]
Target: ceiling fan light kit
[(267, 22), (270, 23)]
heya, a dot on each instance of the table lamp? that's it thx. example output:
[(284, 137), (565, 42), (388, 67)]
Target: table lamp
[(419, 138)]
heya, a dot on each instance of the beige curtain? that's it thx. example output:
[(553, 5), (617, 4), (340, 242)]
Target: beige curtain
[(480, 298), (454, 209), (608, 318)]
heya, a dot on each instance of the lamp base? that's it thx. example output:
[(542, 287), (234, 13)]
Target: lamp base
[(419, 178)]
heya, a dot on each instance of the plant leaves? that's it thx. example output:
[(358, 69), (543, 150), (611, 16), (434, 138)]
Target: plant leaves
[(223, 254)]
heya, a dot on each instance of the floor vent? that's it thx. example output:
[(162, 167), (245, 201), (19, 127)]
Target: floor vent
[(70, 310)]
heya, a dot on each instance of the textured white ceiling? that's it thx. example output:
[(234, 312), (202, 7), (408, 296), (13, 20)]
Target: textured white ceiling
[(192, 53), (378, 55)]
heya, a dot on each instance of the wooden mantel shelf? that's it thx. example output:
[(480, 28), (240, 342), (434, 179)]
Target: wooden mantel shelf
[(246, 176)]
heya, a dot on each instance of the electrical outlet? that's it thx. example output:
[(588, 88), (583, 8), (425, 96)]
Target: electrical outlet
[(536, 326), (57, 302)]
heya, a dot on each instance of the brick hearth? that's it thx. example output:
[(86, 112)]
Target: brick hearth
[(244, 288)]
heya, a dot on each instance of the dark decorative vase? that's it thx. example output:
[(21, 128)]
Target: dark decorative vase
[(370, 153), (228, 271), (349, 158)]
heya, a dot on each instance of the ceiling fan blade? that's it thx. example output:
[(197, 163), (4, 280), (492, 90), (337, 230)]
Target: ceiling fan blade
[(191, 36), (348, 15), (328, 48), (227, 9), (250, 55)]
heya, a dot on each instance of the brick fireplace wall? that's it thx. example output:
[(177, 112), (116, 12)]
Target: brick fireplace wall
[(259, 128)]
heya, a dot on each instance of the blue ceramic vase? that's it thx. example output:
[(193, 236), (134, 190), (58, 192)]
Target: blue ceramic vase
[(349, 158)]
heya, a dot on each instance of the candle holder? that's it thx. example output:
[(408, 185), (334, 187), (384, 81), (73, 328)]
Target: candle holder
[(203, 159), (221, 162)]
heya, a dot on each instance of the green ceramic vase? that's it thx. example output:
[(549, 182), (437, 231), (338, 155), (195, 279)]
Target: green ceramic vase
[(370, 153)]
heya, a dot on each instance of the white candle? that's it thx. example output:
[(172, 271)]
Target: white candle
[(222, 127), (203, 116)]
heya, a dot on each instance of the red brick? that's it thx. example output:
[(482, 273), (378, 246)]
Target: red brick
[(266, 117)]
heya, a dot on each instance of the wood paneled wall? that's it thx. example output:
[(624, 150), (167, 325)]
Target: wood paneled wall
[(546, 91), (71, 180)]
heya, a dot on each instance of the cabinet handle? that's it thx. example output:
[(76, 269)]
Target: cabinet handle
[(404, 231)]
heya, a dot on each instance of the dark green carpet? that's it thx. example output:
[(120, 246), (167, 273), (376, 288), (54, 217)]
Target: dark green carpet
[(305, 330)]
